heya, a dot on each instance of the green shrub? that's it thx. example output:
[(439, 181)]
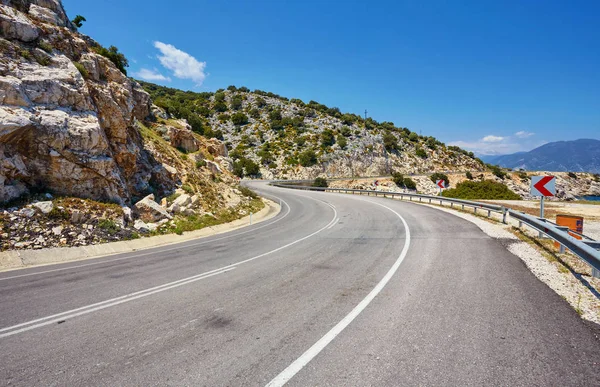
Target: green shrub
[(308, 158), (223, 117), (219, 96), (260, 102), (220, 107), (497, 171), (390, 142), (108, 225), (478, 190), (523, 176), (45, 46), (440, 176), (320, 182), (409, 183), (78, 21), (342, 142), (248, 192), (420, 152), (245, 167), (254, 113), (188, 189), (42, 59), (572, 175), (414, 137), (398, 178), (236, 102), (58, 214), (239, 118), (597, 177), (26, 54), (200, 164), (469, 175), (327, 138), (113, 54)]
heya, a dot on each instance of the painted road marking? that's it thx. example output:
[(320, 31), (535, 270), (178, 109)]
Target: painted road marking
[(313, 351), (37, 323)]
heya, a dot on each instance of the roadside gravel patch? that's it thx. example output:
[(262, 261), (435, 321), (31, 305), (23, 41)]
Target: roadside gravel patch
[(584, 300)]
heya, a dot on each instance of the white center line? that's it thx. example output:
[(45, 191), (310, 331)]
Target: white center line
[(313, 351)]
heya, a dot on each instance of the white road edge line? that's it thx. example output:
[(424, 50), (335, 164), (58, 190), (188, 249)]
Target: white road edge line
[(152, 252), (40, 322), (313, 351)]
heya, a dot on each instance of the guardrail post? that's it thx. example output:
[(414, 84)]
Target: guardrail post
[(440, 202), (429, 200), (520, 224), (489, 213), (451, 205), (595, 272), (474, 210), (503, 214), (462, 207), (419, 200)]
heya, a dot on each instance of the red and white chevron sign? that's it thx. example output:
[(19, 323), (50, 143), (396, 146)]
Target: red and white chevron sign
[(441, 184), (543, 186)]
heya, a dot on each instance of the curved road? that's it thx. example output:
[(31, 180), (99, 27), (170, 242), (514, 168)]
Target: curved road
[(336, 290)]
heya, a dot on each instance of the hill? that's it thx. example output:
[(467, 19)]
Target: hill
[(577, 156), (271, 136)]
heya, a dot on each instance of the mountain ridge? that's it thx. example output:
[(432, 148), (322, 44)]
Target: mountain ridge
[(581, 155)]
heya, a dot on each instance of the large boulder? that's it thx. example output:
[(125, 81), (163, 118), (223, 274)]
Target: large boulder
[(151, 211), (183, 139)]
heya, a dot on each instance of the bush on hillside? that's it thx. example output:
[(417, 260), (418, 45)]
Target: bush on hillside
[(481, 190), (572, 175), (469, 175), (308, 158), (420, 152), (239, 118), (327, 138), (409, 183), (320, 182), (497, 171), (398, 178), (342, 142), (390, 142)]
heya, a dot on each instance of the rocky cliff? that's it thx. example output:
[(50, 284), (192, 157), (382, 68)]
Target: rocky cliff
[(67, 114), (73, 126)]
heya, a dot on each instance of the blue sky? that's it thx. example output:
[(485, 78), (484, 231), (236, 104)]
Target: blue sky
[(490, 76)]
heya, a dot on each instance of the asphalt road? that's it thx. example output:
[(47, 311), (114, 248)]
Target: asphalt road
[(336, 290)]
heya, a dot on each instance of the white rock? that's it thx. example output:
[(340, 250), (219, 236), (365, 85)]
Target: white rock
[(57, 230), (45, 207), (149, 207), (195, 200), (127, 214), (183, 200), (174, 208), (27, 212), (141, 226), (77, 216), (16, 25)]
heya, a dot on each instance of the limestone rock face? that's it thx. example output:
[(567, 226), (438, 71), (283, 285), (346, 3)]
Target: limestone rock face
[(150, 210), (59, 130), (183, 139)]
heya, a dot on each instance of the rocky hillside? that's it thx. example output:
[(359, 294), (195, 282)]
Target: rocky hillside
[(270, 136), (73, 125)]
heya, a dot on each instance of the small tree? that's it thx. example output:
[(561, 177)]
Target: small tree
[(320, 182), (342, 142), (390, 142), (78, 21), (469, 175), (327, 138), (398, 178), (409, 183), (113, 54), (239, 118), (413, 137), (308, 158), (420, 152)]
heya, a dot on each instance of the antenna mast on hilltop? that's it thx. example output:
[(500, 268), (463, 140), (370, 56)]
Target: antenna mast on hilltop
[(365, 114)]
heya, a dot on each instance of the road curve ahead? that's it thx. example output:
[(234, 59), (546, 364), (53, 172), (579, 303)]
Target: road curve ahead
[(336, 290)]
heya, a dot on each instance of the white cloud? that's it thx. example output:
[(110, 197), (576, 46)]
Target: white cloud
[(151, 75), (182, 64), (523, 134), (492, 138), (497, 145)]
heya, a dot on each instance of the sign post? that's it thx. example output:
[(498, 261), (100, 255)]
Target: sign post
[(544, 186), (441, 184)]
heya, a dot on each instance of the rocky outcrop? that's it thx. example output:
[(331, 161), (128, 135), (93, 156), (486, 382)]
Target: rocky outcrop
[(66, 129)]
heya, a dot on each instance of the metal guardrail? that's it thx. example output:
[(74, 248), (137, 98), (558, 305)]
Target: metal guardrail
[(586, 248)]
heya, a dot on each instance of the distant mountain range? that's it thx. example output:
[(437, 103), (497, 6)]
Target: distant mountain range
[(562, 156)]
